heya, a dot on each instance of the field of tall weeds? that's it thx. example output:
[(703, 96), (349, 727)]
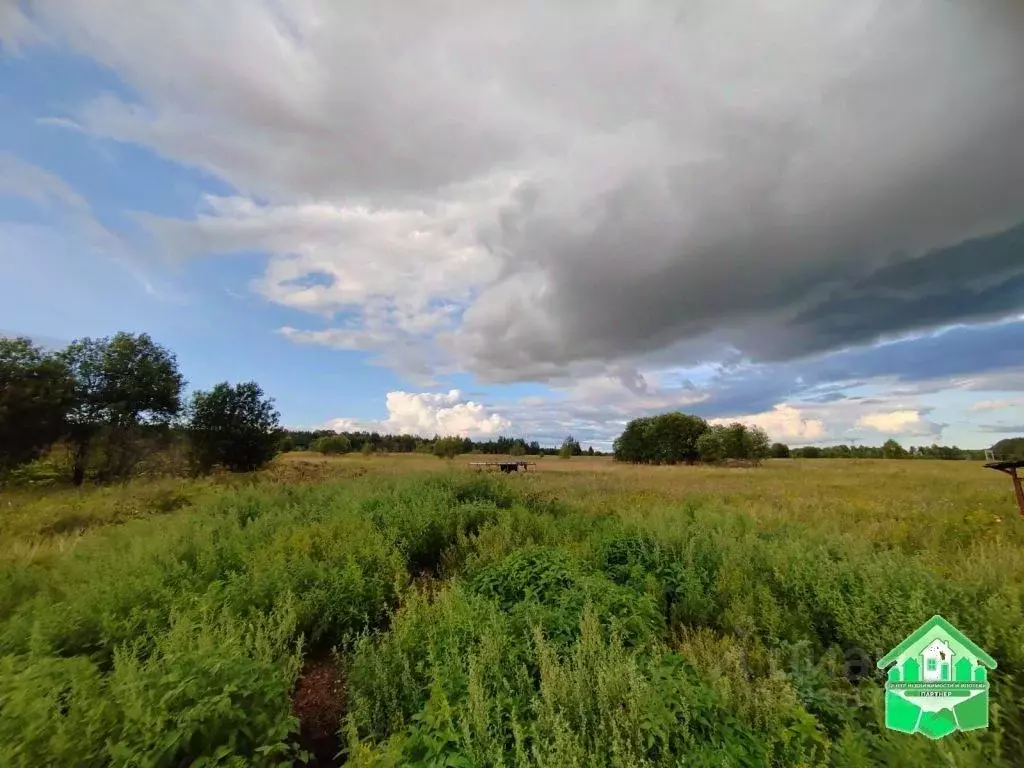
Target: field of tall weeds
[(587, 614)]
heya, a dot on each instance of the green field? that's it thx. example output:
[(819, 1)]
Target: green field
[(406, 611)]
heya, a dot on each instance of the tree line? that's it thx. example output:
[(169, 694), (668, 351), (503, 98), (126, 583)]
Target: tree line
[(680, 438), (891, 449), (117, 403), (115, 407), (335, 442)]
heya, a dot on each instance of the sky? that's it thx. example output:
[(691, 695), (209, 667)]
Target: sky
[(533, 219)]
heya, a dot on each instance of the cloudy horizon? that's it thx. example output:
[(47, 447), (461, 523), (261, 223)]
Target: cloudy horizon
[(530, 219)]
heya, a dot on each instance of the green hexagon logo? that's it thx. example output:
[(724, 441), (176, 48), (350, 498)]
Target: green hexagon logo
[(938, 682)]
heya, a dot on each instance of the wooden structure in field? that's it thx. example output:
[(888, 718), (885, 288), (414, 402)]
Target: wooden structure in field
[(1010, 468), (503, 466)]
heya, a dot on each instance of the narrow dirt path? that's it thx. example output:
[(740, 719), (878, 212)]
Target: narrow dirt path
[(319, 703)]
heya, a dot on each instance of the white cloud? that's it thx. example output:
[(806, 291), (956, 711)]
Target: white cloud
[(893, 422), (21, 179), (984, 406), (784, 423), (428, 414)]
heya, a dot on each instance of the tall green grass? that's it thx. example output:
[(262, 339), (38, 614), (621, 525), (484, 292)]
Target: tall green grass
[(677, 633)]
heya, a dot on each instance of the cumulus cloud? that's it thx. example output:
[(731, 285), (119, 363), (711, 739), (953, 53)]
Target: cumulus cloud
[(784, 423), (547, 187), (428, 414), (901, 422)]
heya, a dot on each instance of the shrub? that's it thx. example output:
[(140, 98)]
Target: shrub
[(448, 447), (455, 683), (548, 588), (234, 427), (331, 445), (211, 688)]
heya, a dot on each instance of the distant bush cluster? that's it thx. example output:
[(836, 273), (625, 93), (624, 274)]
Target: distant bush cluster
[(680, 438), (451, 446), (891, 449), (115, 405)]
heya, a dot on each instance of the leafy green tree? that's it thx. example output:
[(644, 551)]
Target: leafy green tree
[(756, 444), (735, 441), (332, 444), (448, 447), (633, 444), (570, 447), (712, 444), (286, 444), (120, 383), (36, 392), (780, 451), (674, 438), (517, 449), (235, 427), (669, 438), (1009, 448), (893, 450)]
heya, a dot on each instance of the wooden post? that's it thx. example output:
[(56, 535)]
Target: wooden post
[(1010, 468), (1017, 490)]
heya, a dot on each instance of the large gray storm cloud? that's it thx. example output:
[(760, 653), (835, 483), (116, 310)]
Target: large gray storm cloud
[(539, 186)]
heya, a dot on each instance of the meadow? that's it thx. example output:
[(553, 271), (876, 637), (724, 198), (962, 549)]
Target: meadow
[(404, 610)]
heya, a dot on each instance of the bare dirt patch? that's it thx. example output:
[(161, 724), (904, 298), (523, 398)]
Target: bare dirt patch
[(319, 703)]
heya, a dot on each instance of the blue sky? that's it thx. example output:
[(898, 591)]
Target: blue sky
[(476, 223)]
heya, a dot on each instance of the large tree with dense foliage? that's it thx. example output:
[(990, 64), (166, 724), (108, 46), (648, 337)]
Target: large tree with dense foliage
[(235, 427), (734, 441), (36, 392), (120, 383), (893, 450), (1009, 448), (670, 438)]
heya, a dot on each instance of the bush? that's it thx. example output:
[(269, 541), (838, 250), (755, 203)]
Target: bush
[(670, 438), (735, 441), (335, 444), (212, 687), (448, 447), (455, 683), (547, 588), (234, 427)]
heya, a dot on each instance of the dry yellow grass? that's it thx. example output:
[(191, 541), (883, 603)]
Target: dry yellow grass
[(917, 504)]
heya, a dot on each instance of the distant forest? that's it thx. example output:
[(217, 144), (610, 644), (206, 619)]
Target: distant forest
[(376, 442)]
